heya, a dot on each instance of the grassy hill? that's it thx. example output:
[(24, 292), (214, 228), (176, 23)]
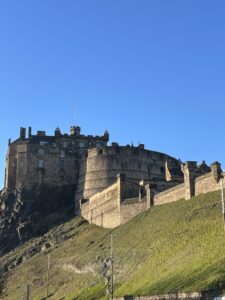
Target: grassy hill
[(173, 247)]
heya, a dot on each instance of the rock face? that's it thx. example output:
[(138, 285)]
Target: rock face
[(28, 213)]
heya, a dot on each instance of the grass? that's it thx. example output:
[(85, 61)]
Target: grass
[(173, 247)]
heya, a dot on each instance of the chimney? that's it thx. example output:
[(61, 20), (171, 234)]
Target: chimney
[(22, 133), (29, 131)]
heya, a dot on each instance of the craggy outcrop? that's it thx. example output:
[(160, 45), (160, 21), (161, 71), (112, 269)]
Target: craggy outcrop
[(28, 213)]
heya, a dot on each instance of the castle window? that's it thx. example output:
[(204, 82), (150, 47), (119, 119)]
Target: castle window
[(40, 163), (98, 145), (81, 145), (65, 144), (162, 169), (100, 151), (61, 164), (62, 154), (139, 166), (41, 152)]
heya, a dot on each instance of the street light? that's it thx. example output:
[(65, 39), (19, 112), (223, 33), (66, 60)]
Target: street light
[(222, 199)]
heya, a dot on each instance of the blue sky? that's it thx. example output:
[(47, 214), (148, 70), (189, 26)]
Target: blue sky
[(148, 71)]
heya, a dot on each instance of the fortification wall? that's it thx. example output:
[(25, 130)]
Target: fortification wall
[(202, 184), (207, 183), (127, 212), (107, 208), (103, 209), (101, 165), (173, 194)]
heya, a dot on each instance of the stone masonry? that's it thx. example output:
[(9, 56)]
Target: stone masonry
[(112, 183)]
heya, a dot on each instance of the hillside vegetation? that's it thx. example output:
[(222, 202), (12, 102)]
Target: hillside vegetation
[(173, 247)]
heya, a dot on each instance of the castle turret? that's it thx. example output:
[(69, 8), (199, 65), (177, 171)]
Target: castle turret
[(57, 131), (106, 135)]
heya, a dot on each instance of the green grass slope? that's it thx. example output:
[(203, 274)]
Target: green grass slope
[(173, 247)]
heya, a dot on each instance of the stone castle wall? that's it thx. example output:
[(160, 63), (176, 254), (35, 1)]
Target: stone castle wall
[(114, 206), (100, 166), (103, 209), (207, 183), (40, 159), (170, 195), (29, 165), (109, 209), (128, 212), (201, 184)]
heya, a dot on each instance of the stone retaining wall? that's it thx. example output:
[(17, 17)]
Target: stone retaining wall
[(103, 209), (127, 212), (178, 296), (174, 194)]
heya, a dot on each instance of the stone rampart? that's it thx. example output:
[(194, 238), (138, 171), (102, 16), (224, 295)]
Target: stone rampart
[(173, 194), (207, 183), (100, 166), (127, 212), (203, 184), (109, 208), (103, 209)]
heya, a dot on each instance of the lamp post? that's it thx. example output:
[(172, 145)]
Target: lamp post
[(48, 269), (112, 275), (222, 199)]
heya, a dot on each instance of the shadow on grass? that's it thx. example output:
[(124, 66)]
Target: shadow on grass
[(180, 283)]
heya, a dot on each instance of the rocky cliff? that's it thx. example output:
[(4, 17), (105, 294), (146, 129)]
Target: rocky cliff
[(28, 213)]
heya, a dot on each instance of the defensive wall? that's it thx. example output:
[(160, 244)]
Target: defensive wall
[(108, 208), (99, 168), (193, 185), (114, 206)]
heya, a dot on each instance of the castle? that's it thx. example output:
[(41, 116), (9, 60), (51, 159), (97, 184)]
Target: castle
[(112, 183)]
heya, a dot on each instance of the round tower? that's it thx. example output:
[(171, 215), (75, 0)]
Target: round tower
[(100, 166)]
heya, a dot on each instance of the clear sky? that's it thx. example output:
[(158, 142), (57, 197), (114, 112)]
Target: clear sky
[(149, 71)]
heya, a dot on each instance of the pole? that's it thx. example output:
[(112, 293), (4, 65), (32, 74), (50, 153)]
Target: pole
[(28, 293), (112, 262), (222, 199), (48, 275)]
